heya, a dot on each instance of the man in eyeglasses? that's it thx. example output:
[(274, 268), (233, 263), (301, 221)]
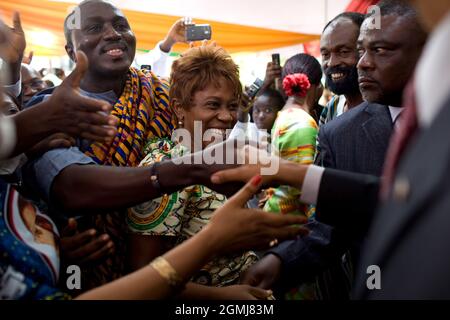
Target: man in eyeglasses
[(32, 82)]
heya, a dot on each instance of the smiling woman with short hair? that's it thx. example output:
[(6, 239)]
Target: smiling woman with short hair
[(205, 88)]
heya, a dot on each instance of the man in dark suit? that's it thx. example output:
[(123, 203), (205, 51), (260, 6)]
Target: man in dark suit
[(408, 243), (355, 141), (408, 239)]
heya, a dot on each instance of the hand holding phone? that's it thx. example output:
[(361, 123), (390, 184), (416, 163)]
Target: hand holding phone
[(254, 88), (197, 32), (276, 61)]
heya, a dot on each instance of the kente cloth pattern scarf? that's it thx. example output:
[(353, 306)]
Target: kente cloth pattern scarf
[(143, 111)]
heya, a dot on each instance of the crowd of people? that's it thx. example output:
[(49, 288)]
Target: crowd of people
[(146, 181)]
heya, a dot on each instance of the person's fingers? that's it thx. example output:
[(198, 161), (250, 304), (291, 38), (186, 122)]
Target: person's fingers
[(16, 22), (97, 132), (186, 21), (61, 135), (286, 233), (235, 174), (60, 143), (94, 118), (104, 251), (79, 239), (90, 247), (89, 104), (74, 78), (70, 228), (279, 220), (260, 293), (30, 57), (250, 277), (247, 192)]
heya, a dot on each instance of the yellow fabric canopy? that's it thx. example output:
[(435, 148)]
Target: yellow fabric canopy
[(43, 24)]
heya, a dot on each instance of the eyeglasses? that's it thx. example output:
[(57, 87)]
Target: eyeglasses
[(265, 110), (36, 84)]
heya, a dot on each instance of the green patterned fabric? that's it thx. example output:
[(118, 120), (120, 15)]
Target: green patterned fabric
[(294, 139), (183, 214)]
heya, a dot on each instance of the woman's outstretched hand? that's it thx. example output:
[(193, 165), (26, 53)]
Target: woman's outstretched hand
[(234, 227)]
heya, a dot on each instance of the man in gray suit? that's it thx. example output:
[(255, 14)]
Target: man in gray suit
[(408, 240)]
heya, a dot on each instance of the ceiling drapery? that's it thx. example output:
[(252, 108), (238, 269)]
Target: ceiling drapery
[(43, 25)]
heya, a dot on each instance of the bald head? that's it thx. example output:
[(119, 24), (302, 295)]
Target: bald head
[(69, 23), (32, 82)]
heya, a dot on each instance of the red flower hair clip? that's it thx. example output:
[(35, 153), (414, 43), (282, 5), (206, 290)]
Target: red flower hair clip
[(296, 84)]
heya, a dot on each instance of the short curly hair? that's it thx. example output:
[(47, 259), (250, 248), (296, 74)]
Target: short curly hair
[(199, 67)]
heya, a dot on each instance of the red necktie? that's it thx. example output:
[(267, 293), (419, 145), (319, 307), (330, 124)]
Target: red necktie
[(400, 139)]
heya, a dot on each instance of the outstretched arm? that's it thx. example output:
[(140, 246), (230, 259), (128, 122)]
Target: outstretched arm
[(232, 228)]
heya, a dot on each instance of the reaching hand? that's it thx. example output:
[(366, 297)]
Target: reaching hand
[(177, 33), (236, 228), (241, 292), (255, 161), (72, 113), (264, 273), (273, 71), (245, 105), (275, 171), (85, 247), (29, 58), (55, 141), (12, 41)]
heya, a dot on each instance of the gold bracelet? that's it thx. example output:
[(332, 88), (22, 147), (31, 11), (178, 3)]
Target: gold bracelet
[(165, 270)]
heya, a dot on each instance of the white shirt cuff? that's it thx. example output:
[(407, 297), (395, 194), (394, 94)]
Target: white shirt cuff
[(14, 89), (311, 184), (8, 136), (158, 48)]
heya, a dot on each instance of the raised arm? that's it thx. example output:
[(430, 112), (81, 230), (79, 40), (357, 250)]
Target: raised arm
[(65, 111)]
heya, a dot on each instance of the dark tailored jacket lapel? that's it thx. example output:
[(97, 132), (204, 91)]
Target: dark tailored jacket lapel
[(378, 128), (357, 140), (417, 184)]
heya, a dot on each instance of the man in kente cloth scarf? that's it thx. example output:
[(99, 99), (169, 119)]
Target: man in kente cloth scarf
[(95, 181)]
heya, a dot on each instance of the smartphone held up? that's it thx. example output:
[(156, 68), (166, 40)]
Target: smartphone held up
[(198, 32)]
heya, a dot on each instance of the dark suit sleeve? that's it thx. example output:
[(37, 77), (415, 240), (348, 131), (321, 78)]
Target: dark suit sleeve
[(307, 256), (354, 194), (347, 200), (325, 156)]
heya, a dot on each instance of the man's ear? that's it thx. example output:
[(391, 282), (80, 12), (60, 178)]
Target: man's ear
[(71, 52), (319, 92)]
